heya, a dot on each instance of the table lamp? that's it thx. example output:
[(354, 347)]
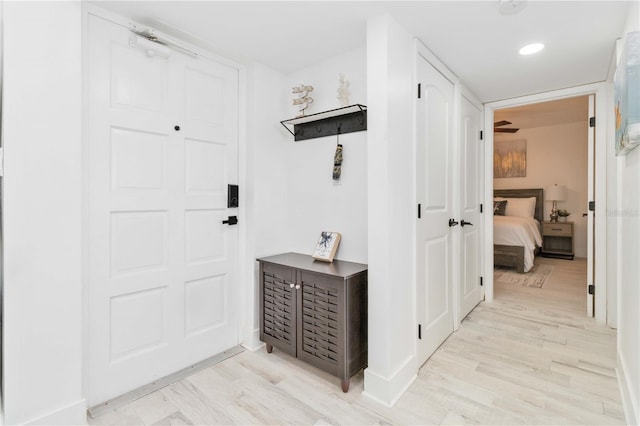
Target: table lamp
[(555, 193)]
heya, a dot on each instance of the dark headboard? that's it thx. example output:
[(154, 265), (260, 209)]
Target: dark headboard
[(525, 193)]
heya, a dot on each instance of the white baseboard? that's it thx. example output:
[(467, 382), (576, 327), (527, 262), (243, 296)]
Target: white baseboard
[(387, 390), (72, 414), (629, 400), (251, 339)]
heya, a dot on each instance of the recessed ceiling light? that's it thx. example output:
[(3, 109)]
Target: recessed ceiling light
[(532, 48)]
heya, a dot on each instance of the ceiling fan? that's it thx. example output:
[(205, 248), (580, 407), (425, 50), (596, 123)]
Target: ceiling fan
[(497, 127)]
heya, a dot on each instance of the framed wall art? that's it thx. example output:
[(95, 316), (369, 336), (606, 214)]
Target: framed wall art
[(510, 158), (626, 82)]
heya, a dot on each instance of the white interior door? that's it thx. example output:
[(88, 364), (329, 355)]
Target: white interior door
[(470, 291), (434, 150), (591, 176), (162, 267)]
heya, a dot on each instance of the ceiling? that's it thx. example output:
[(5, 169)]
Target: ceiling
[(478, 43), (543, 114)]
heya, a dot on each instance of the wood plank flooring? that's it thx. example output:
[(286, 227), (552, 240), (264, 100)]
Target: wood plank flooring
[(530, 357)]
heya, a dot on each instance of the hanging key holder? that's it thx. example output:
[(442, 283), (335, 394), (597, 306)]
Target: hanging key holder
[(337, 158)]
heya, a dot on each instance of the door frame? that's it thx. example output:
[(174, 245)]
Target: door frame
[(245, 275), (601, 91)]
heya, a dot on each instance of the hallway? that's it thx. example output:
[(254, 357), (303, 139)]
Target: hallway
[(530, 357)]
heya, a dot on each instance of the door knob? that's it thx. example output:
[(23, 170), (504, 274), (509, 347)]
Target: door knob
[(232, 220), (452, 222), (463, 223)]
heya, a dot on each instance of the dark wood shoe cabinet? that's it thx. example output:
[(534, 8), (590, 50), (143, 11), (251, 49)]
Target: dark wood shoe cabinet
[(315, 311)]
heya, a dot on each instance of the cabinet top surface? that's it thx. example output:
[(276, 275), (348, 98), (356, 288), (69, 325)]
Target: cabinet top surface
[(557, 223), (337, 268)]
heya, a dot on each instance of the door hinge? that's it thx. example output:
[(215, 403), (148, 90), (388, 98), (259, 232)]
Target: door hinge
[(420, 331), (591, 289), (481, 208), (592, 122), (481, 135), (419, 90), (419, 210), (481, 281), (592, 206)]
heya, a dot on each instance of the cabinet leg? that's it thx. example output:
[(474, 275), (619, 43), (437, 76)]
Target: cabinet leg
[(269, 348), (345, 385)]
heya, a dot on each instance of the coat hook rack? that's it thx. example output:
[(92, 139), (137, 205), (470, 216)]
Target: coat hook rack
[(352, 118)]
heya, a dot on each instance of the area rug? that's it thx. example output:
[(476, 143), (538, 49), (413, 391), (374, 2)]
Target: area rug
[(534, 278)]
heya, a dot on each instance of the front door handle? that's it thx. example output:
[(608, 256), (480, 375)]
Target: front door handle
[(232, 220), (452, 223), (463, 223)]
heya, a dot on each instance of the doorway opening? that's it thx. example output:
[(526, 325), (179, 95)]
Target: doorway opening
[(546, 147)]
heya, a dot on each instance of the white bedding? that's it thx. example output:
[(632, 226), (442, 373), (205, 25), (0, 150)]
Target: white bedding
[(518, 231)]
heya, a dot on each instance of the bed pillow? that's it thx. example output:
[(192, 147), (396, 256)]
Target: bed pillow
[(521, 207), (499, 207)]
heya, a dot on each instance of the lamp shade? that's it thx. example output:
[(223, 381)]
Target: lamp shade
[(556, 193)]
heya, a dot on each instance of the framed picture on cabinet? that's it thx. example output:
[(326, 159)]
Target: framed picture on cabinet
[(326, 246)]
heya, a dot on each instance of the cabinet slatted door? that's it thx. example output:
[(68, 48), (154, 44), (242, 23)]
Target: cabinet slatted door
[(319, 331), (279, 308)]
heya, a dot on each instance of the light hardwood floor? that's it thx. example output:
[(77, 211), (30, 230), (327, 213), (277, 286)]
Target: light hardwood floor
[(530, 357)]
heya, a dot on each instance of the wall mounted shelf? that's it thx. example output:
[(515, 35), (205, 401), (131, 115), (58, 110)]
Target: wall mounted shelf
[(352, 118)]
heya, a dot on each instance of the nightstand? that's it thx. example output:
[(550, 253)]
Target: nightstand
[(557, 240)]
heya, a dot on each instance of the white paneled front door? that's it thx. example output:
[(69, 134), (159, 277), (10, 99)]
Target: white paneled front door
[(163, 145), (434, 186), (470, 291)]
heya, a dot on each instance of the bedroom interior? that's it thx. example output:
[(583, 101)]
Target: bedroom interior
[(555, 173)]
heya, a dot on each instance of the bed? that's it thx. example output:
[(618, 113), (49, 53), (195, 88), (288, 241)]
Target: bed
[(517, 241)]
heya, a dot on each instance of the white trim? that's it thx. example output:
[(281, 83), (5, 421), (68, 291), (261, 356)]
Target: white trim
[(456, 182), (431, 58), (251, 339), (84, 155), (388, 390), (414, 176), (629, 400), (72, 414), (600, 90)]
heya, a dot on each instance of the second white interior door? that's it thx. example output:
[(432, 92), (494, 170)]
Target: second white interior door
[(470, 291)]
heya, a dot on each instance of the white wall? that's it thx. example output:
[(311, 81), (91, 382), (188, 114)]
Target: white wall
[(391, 201), (316, 202), (265, 204), (289, 194), (42, 213), (627, 213), (556, 154)]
